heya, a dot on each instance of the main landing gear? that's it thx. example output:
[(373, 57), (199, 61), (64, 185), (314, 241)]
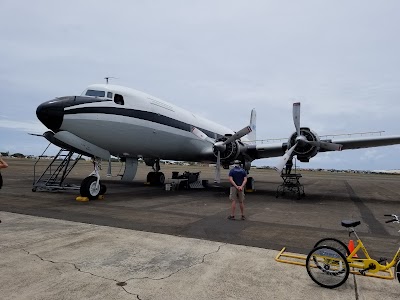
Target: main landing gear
[(156, 177), (91, 186)]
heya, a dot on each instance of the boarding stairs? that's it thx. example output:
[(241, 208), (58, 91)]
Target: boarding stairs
[(54, 175)]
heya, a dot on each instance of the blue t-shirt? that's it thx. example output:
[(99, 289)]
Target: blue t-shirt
[(238, 175)]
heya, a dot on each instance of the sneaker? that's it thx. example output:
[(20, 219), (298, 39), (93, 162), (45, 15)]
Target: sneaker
[(231, 218), (243, 218)]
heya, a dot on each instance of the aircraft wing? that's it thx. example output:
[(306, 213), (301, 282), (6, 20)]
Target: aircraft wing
[(366, 142), (278, 149), (266, 150)]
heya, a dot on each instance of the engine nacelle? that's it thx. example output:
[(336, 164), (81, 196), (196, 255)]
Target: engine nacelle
[(304, 151), (231, 152)]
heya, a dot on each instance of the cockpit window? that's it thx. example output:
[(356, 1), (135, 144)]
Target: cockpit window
[(109, 95), (95, 93), (119, 99)]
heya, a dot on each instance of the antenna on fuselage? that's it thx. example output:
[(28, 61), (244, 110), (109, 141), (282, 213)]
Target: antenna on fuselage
[(109, 77)]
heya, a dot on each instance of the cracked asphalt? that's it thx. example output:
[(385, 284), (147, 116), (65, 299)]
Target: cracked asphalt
[(146, 243)]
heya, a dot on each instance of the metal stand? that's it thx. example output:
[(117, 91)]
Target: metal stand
[(56, 172), (291, 184)]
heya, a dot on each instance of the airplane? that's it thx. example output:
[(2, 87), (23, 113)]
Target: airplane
[(111, 120)]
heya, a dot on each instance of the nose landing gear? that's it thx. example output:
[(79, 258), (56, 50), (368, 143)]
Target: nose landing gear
[(91, 186)]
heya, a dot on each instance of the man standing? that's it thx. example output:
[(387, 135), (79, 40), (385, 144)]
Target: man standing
[(238, 179), (3, 165), (289, 165)]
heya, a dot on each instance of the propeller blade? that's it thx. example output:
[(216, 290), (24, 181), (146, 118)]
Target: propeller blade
[(296, 117), (327, 145), (241, 133), (200, 134), (218, 169), (109, 168), (284, 159)]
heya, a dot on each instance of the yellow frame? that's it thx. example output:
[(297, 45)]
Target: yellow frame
[(356, 263), (364, 263)]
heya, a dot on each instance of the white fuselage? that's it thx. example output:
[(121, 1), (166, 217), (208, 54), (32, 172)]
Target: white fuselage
[(143, 126)]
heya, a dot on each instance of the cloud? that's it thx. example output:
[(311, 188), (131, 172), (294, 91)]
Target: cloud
[(216, 59), (26, 126)]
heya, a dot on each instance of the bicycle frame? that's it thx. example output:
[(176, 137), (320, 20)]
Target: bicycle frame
[(368, 265)]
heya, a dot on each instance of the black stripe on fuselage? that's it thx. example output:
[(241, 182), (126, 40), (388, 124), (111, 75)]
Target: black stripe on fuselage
[(140, 114)]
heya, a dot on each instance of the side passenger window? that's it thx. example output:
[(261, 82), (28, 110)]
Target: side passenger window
[(119, 99)]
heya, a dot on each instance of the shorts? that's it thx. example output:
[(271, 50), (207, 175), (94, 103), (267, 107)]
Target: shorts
[(235, 194)]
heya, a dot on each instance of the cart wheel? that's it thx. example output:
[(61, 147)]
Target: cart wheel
[(327, 266), (335, 243)]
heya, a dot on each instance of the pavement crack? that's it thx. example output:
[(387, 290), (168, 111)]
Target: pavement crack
[(179, 270), (79, 270), (356, 288)]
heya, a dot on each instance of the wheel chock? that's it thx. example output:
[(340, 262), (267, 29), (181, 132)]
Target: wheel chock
[(82, 199), (100, 197)]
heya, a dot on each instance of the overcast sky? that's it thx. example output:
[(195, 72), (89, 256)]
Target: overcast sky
[(218, 59)]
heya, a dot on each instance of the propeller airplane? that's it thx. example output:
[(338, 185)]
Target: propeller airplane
[(110, 120)]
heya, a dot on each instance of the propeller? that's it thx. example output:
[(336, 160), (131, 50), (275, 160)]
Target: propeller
[(284, 159), (238, 135), (296, 117), (218, 168), (301, 139), (109, 174), (221, 145)]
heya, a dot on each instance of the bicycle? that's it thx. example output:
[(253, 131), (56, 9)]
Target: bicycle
[(329, 262)]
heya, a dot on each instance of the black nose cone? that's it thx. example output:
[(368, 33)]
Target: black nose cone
[(51, 113)]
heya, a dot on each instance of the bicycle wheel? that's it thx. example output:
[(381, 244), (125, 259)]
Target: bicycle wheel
[(335, 243), (327, 266), (398, 271)]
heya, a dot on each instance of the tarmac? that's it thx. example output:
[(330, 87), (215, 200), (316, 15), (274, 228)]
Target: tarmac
[(154, 244), (44, 258)]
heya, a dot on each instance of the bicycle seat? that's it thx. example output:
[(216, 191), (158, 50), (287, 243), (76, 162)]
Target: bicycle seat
[(348, 223)]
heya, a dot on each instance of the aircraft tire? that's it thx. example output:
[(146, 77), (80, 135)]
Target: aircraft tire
[(103, 189), (156, 178), (160, 178), (250, 183), (88, 188), (150, 177)]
